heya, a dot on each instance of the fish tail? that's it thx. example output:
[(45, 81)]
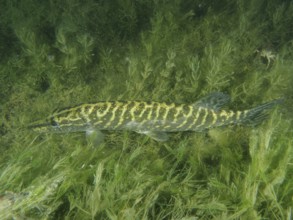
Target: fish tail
[(258, 114)]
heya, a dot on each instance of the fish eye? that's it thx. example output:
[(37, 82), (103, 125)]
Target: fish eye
[(54, 123)]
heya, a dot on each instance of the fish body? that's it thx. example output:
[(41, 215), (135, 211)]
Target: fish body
[(154, 119)]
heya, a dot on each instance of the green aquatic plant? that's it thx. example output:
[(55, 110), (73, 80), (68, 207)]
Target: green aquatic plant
[(58, 54)]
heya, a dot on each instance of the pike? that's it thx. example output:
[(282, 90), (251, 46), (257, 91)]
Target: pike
[(153, 119)]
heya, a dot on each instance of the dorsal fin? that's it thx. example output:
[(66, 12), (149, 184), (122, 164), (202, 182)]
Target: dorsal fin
[(215, 100)]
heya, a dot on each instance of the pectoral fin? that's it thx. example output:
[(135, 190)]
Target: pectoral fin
[(156, 135), (94, 137)]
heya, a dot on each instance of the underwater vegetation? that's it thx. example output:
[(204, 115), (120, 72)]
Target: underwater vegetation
[(55, 54)]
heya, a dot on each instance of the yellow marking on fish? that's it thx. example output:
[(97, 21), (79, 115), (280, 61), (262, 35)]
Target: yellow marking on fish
[(214, 117), (206, 112), (187, 116), (146, 106), (121, 119), (238, 115), (223, 116), (178, 111), (102, 112), (149, 116), (133, 110), (113, 111), (244, 113), (158, 107), (197, 115), (167, 108), (86, 111)]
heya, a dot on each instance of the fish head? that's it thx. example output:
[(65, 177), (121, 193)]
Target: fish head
[(64, 121)]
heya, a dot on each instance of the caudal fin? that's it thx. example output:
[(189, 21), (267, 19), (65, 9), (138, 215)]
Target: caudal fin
[(258, 114)]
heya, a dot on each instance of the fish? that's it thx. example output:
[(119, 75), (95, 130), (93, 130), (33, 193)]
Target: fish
[(154, 119)]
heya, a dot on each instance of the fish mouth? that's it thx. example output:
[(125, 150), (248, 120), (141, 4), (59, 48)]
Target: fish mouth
[(40, 127), (49, 127), (43, 127)]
